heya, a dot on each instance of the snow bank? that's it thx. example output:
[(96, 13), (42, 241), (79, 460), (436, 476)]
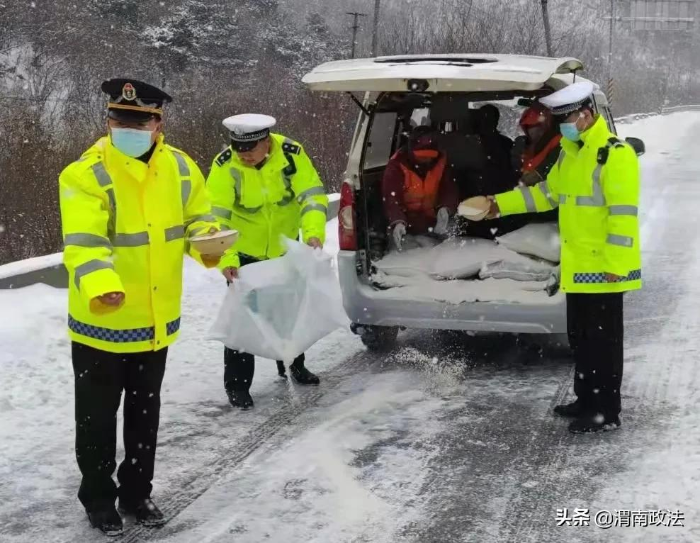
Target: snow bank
[(22, 267)]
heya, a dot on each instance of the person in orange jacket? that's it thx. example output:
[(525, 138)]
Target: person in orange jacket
[(419, 191)]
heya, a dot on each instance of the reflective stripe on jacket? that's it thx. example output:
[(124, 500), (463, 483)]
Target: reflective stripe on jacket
[(598, 212), (420, 195), (264, 205), (124, 229)]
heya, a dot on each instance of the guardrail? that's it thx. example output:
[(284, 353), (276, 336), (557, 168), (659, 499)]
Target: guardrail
[(665, 111), (49, 269), (676, 109)]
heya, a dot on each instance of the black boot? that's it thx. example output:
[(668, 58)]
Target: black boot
[(107, 520), (145, 511), (571, 410), (302, 375), (281, 371), (240, 398), (594, 423)]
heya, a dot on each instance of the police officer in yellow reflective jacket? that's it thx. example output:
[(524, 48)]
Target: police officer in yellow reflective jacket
[(265, 186), (595, 185), (127, 205)]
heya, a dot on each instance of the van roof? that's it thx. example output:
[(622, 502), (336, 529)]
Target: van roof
[(444, 73)]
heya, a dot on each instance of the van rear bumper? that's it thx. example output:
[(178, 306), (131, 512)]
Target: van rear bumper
[(367, 305)]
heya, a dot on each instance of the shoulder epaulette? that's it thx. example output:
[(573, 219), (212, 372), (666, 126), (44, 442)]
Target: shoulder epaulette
[(86, 161), (604, 152), (224, 157), (291, 147)]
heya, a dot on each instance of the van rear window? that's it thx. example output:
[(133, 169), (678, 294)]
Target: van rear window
[(381, 140)]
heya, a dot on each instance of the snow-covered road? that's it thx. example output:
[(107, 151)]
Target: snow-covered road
[(451, 438)]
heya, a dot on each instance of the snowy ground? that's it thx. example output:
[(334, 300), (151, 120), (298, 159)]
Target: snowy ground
[(451, 438)]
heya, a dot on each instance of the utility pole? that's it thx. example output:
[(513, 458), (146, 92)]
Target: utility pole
[(610, 50), (547, 28), (375, 29), (355, 27)]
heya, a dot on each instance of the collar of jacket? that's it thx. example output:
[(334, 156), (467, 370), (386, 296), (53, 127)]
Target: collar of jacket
[(592, 136), (114, 158)]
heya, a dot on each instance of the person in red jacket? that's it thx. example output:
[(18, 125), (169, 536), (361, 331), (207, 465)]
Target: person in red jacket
[(419, 192), (540, 153), (541, 144)]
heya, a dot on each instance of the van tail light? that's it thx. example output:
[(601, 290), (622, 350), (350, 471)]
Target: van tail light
[(347, 236)]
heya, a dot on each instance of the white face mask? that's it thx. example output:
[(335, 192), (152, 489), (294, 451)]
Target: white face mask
[(132, 142)]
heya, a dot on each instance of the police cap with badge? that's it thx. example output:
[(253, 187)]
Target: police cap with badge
[(575, 98), (131, 100), (570, 99), (248, 130)]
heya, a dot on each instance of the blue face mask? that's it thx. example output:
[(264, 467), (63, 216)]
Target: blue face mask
[(570, 131), (132, 142)]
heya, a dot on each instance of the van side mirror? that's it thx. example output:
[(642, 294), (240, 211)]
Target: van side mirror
[(637, 145), (525, 102)]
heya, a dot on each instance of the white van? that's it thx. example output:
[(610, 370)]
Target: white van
[(398, 92)]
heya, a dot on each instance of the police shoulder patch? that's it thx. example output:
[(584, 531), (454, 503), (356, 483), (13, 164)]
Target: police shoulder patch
[(616, 142), (291, 147), (224, 157)]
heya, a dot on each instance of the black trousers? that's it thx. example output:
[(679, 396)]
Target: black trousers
[(100, 378), (239, 368), (596, 335)]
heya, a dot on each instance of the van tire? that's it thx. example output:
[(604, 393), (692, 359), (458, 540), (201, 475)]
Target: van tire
[(379, 338)]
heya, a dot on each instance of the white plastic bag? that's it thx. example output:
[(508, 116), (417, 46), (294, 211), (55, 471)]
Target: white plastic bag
[(279, 308), (455, 258), (529, 270), (539, 239)]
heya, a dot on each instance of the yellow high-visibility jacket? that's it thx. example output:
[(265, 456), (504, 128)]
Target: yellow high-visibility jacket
[(125, 225), (598, 210), (263, 205)]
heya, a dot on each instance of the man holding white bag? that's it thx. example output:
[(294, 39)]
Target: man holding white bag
[(265, 186)]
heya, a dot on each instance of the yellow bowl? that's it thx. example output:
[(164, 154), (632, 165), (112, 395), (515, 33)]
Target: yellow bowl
[(214, 244), (474, 209)]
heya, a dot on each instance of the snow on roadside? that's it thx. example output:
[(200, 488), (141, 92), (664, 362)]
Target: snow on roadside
[(662, 135), (30, 265)]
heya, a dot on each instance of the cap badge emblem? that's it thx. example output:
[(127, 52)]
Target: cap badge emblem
[(129, 92)]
